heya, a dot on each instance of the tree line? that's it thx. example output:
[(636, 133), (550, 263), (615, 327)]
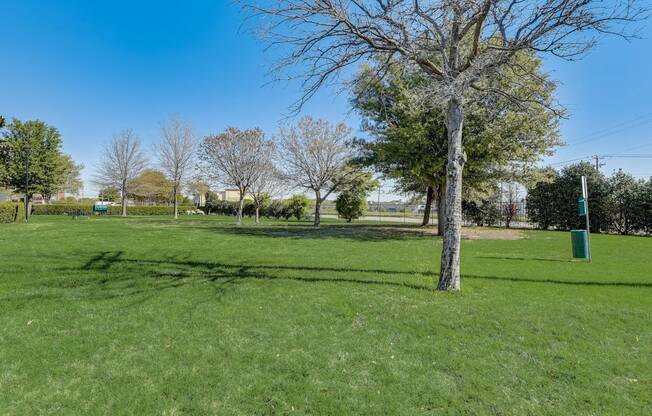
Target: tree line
[(618, 203)]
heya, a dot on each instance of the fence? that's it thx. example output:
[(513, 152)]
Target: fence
[(498, 214)]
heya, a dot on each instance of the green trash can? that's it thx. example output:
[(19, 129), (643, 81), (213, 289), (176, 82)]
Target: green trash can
[(580, 242)]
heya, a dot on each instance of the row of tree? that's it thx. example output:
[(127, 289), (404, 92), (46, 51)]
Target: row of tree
[(32, 161), (312, 155), (618, 203), (124, 162)]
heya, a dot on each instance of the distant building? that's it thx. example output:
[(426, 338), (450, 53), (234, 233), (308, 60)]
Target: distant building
[(231, 195), (199, 199)]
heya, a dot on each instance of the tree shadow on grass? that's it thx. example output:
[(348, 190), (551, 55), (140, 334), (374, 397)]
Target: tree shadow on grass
[(110, 274), (174, 268), (361, 232), (218, 271)]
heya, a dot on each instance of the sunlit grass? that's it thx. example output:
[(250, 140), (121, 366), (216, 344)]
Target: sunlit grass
[(149, 316)]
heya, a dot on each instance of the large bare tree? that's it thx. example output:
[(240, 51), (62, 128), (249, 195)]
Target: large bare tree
[(314, 156), (455, 43), (121, 161), (175, 154), (232, 159)]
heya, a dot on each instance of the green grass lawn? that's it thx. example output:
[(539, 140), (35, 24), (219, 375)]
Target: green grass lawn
[(145, 316)]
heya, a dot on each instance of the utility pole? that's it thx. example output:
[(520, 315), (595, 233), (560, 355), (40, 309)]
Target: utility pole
[(585, 195), (26, 151), (597, 162)]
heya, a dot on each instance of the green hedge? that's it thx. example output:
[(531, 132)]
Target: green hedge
[(11, 212), (148, 210), (62, 209), (87, 209)]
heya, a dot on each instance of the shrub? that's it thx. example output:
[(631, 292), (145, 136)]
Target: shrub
[(62, 209), (11, 212), (276, 209), (350, 205), (297, 207), (482, 213)]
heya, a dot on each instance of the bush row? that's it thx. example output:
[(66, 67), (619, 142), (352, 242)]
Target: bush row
[(296, 207), (11, 212), (87, 209), (618, 203)]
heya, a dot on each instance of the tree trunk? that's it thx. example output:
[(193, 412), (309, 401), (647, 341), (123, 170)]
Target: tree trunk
[(239, 218), (27, 210), (449, 278), (176, 205), (257, 215), (317, 209), (124, 198), (441, 209), (430, 193)]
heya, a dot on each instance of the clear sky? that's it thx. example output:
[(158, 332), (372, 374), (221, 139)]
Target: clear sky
[(91, 68)]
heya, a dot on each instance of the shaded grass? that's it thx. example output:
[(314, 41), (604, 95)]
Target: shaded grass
[(149, 316)]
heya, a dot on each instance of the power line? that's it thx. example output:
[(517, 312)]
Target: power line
[(603, 156), (610, 131)]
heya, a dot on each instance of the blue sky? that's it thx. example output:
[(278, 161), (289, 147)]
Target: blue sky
[(92, 68)]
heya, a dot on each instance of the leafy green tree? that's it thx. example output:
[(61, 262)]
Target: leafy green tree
[(350, 205), (541, 201), (624, 202), (151, 186), (644, 217), (297, 206), (557, 201), (31, 155), (503, 137), (71, 178)]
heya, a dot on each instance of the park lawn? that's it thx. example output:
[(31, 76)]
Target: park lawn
[(148, 316)]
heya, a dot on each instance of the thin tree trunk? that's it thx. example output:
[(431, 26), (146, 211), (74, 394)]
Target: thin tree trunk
[(441, 209), (317, 209), (27, 210), (124, 198), (176, 205), (257, 215), (449, 278), (239, 219), (430, 192)]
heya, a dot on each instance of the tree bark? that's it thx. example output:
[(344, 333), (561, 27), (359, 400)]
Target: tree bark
[(430, 192), (257, 215), (124, 198), (441, 209), (239, 217), (176, 205), (449, 278), (317, 209)]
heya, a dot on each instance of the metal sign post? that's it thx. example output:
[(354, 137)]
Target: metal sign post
[(585, 197)]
